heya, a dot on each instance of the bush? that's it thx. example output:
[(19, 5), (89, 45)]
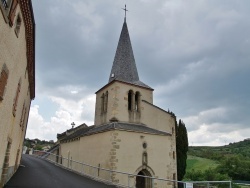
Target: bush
[(207, 175)]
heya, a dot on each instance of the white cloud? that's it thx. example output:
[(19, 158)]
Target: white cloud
[(69, 111), (206, 117), (203, 137), (208, 128)]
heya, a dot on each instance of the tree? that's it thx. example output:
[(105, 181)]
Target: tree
[(236, 168), (181, 149)]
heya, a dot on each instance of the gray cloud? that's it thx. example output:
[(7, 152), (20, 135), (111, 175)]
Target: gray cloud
[(195, 54)]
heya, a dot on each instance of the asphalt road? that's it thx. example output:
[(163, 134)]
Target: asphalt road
[(38, 173)]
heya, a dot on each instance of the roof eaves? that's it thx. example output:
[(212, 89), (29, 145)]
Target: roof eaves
[(128, 83)]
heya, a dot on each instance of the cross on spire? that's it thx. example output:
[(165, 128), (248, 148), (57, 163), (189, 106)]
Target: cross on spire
[(125, 9)]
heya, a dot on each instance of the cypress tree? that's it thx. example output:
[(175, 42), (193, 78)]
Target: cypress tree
[(181, 149)]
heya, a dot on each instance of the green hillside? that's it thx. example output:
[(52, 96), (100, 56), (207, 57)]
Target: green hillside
[(219, 163), (238, 149), (202, 164)]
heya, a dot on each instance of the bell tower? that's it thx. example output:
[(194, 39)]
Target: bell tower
[(120, 99)]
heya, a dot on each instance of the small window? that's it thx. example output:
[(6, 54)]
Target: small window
[(144, 158), (173, 155), (18, 25), (3, 81), (16, 98), (23, 116), (21, 120)]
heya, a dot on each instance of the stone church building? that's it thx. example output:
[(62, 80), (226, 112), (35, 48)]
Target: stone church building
[(130, 134)]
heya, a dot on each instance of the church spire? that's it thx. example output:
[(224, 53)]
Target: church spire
[(124, 67)]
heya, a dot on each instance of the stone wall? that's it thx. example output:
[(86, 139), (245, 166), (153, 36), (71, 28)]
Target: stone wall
[(118, 103), (122, 151)]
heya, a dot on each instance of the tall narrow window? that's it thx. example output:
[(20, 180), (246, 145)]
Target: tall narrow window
[(137, 101), (144, 158), (130, 100), (18, 25), (102, 103), (16, 98), (3, 81), (106, 102)]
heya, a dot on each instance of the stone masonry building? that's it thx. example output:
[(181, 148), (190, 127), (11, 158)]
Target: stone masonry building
[(130, 133), (17, 80)]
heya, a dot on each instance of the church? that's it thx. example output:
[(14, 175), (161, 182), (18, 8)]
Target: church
[(130, 134)]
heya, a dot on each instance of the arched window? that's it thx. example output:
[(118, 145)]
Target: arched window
[(130, 100), (137, 101)]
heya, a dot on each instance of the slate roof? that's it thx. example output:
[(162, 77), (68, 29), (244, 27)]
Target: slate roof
[(78, 133), (124, 66), (70, 131), (126, 127), (169, 112), (140, 128)]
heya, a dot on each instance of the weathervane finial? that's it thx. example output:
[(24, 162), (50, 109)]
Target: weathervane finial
[(125, 9)]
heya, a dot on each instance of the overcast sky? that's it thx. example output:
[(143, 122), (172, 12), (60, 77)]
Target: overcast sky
[(195, 54)]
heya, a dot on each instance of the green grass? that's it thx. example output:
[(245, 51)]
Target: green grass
[(198, 163), (244, 186)]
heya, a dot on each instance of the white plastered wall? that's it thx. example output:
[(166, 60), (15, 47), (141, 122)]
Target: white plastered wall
[(13, 54), (93, 149)]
